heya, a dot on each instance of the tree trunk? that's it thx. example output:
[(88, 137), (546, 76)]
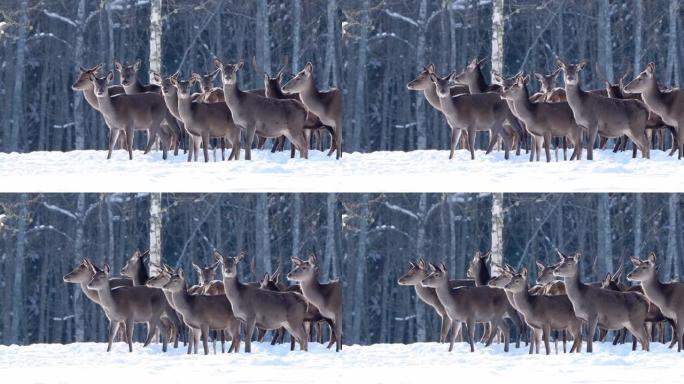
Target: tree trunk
[(330, 71), (155, 231), (263, 38), (360, 91), (155, 36), (79, 126), (263, 235), (497, 230), (12, 138), (605, 241), (421, 125), (671, 70), (421, 319), (605, 42), (669, 270), (360, 269), (638, 32), (18, 283), (79, 241), (330, 229), (296, 34), (636, 224), (497, 35), (296, 223)]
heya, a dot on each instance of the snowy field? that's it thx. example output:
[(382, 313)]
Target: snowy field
[(380, 363), (417, 171)]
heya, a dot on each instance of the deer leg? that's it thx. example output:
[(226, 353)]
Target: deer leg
[(130, 325), (249, 331), (152, 327), (591, 329), (602, 335), (471, 141), (205, 339), (165, 337), (455, 329), (445, 328), (113, 137), (338, 138), (592, 131), (455, 135), (191, 340), (547, 147), (546, 331), (129, 141), (507, 140), (470, 323), (113, 328)]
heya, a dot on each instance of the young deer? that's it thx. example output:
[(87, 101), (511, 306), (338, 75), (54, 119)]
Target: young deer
[(261, 115), (547, 88), (668, 105), (473, 113), (418, 272), (470, 305), (202, 313), (144, 111), (472, 77), (550, 283), (327, 105), (261, 308), (206, 120), (129, 305), (608, 117), (209, 93), (326, 297), (206, 280), (607, 309), (669, 297), (543, 121), (544, 313)]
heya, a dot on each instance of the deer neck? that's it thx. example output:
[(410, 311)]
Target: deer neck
[(477, 84), (523, 300), (574, 94), (233, 288), (311, 289), (91, 293), (444, 294), (309, 93), (232, 94), (91, 98), (426, 294), (431, 96), (136, 87), (574, 286), (141, 276), (105, 104), (171, 102), (181, 300), (524, 108), (654, 98), (654, 291), (106, 299), (184, 107)]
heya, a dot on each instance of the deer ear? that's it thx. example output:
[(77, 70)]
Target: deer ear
[(196, 268), (265, 278), (525, 80), (106, 269), (308, 68), (312, 259), (523, 273), (606, 280), (218, 64), (652, 257), (117, 66), (540, 266), (650, 68), (432, 267), (295, 261), (156, 77), (539, 77), (411, 265), (213, 266), (443, 267), (430, 68), (110, 76), (560, 64), (218, 256), (137, 64), (213, 74), (635, 261), (582, 64), (180, 273), (421, 263), (239, 65)]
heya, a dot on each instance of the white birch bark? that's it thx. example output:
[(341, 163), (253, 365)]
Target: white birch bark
[(155, 231), (497, 36), (497, 230)]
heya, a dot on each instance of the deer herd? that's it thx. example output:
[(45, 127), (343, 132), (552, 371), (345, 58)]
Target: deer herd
[(296, 111), (557, 301), (640, 111), (227, 307)]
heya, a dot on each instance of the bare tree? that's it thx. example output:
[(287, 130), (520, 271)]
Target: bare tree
[(605, 39), (497, 35), (497, 246)]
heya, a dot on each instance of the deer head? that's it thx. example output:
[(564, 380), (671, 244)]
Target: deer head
[(83, 80), (303, 270), (422, 81), (301, 81), (643, 81), (437, 277), (518, 282), (128, 73), (229, 264), (228, 71), (644, 270), (416, 273), (101, 84), (81, 274), (571, 72), (568, 266)]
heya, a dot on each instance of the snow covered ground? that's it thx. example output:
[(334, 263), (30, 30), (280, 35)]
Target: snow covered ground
[(380, 363), (416, 171)]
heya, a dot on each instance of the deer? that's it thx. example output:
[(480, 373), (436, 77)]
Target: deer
[(416, 273), (135, 269), (545, 313), (144, 111), (550, 283), (273, 89), (83, 273), (602, 115), (327, 105), (548, 92), (206, 120), (668, 105), (607, 309), (542, 120), (472, 113), (261, 308), (129, 305), (668, 297), (132, 85), (208, 93), (470, 305), (479, 271), (261, 115), (326, 297), (472, 77), (206, 280), (202, 313)]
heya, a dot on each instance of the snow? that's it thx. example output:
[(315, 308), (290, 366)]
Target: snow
[(415, 171), (379, 363)]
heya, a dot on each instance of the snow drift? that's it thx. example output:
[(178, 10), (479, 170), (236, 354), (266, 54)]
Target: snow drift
[(379, 363), (416, 171)]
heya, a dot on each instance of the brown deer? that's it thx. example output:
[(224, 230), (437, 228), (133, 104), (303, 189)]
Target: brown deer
[(202, 313), (327, 105), (602, 115), (144, 111), (206, 279), (545, 313), (261, 115), (607, 309), (129, 305), (206, 120), (136, 270), (470, 305), (132, 85), (668, 105), (669, 297), (326, 297), (550, 283), (261, 308), (542, 120), (472, 77), (473, 113), (208, 93), (417, 272), (547, 88)]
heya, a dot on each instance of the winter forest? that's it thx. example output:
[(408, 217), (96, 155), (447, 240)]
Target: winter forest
[(366, 240), (368, 48)]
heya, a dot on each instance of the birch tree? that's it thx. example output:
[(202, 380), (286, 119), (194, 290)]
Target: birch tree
[(296, 223), (296, 33), (330, 70), (155, 36), (20, 252), (155, 197), (155, 231), (671, 69), (330, 230), (497, 36), (638, 32), (421, 124), (79, 128), (497, 230)]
